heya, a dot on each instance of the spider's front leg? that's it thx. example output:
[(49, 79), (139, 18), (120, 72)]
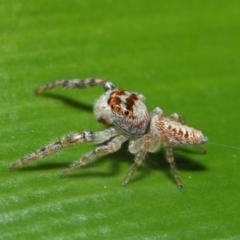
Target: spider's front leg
[(68, 141), (112, 146), (77, 83)]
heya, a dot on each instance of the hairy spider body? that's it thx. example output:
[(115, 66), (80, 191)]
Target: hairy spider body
[(129, 120)]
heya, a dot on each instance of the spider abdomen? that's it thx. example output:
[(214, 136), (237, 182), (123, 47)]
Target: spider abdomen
[(178, 134)]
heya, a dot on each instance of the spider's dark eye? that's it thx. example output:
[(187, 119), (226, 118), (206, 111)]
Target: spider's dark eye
[(126, 112)]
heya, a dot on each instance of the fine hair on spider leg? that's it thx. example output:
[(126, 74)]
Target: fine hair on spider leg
[(68, 141), (128, 119)]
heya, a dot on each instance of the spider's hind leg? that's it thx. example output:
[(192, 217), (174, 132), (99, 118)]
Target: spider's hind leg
[(170, 159), (178, 118)]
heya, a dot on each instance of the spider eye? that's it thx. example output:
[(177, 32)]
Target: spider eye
[(126, 112), (134, 123)]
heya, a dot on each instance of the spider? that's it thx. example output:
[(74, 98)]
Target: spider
[(129, 120)]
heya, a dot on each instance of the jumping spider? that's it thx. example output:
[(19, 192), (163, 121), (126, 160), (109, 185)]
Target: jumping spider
[(129, 120)]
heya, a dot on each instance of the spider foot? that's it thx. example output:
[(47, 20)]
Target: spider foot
[(180, 186), (15, 165), (65, 173), (124, 184)]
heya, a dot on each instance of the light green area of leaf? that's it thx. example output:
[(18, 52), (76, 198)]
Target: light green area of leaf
[(182, 55)]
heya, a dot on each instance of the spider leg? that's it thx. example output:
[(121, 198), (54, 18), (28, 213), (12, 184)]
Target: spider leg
[(68, 141), (170, 159), (139, 157), (77, 83), (112, 146), (178, 118)]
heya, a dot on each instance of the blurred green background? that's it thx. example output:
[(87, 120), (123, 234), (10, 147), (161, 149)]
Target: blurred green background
[(182, 55)]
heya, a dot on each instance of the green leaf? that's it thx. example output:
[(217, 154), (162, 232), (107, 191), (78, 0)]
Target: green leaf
[(183, 56)]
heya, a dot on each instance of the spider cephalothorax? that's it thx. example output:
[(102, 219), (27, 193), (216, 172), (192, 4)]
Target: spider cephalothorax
[(129, 120), (125, 110)]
